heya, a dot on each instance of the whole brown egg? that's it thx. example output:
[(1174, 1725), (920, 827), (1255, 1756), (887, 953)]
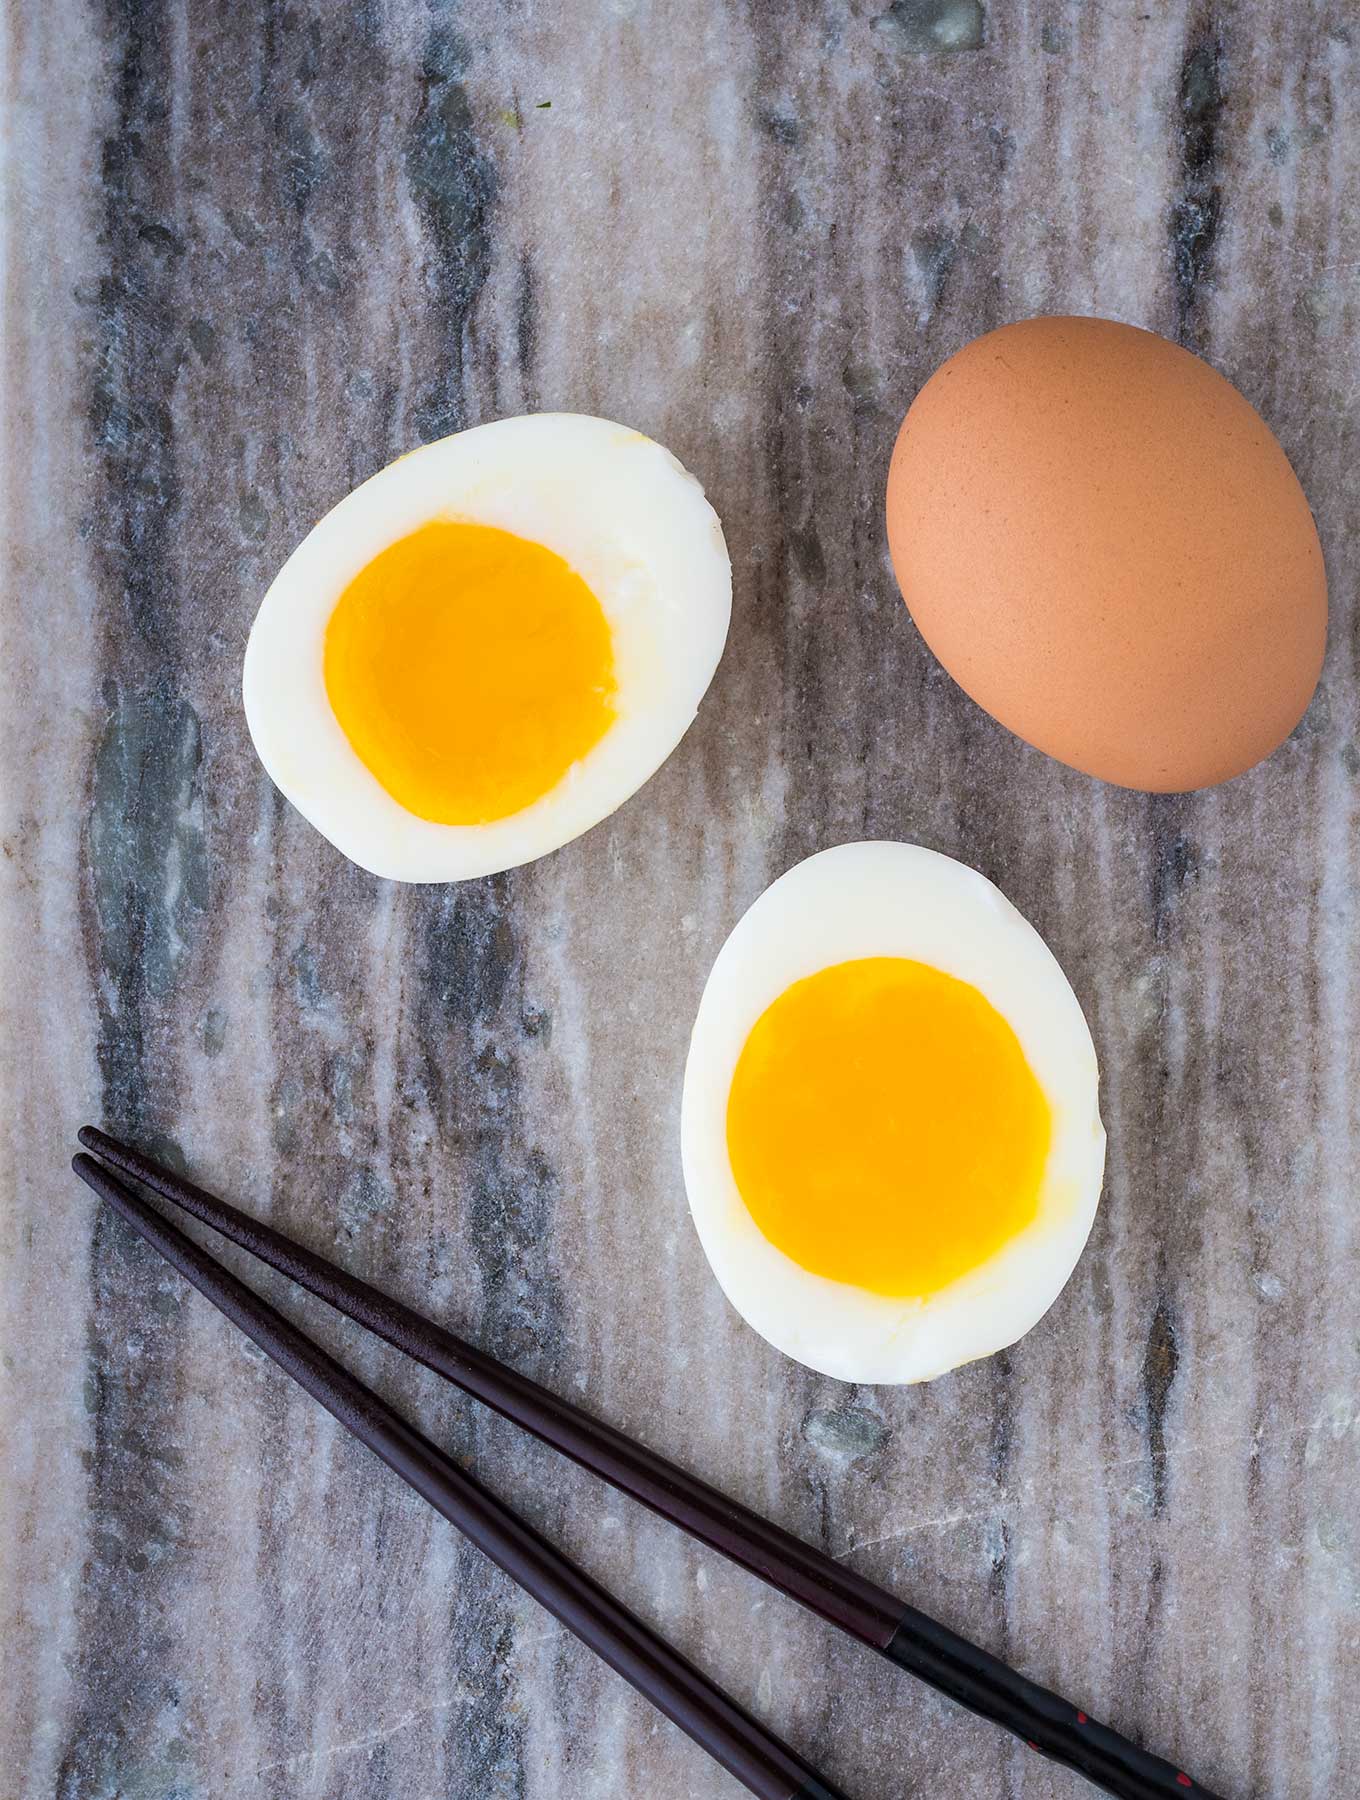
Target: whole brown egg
[(1105, 546)]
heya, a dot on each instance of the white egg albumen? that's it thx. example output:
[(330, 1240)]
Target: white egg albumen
[(889, 899), (626, 516)]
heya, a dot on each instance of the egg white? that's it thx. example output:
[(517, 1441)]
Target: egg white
[(620, 510), (888, 899)]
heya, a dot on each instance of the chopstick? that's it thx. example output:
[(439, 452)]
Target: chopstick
[(950, 1663), (760, 1760)]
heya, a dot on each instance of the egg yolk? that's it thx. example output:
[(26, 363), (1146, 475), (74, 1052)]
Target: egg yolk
[(884, 1127), (469, 669)]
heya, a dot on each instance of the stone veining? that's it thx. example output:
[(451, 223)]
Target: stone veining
[(259, 253)]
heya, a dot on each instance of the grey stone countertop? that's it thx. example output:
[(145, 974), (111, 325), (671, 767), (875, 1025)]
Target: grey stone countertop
[(253, 252)]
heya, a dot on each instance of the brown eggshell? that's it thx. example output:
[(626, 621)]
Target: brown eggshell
[(1105, 546)]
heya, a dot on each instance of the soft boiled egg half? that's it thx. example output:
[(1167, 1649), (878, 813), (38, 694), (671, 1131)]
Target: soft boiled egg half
[(890, 1128), (488, 647)]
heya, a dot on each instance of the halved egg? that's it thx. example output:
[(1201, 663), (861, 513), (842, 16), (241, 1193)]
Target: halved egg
[(490, 645), (890, 1127)]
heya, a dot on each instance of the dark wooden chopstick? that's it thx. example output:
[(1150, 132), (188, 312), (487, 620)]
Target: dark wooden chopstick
[(964, 1671), (766, 1765)]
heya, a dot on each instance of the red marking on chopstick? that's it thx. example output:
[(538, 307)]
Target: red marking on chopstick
[(1031, 1743), (1185, 1781), (1081, 1718)]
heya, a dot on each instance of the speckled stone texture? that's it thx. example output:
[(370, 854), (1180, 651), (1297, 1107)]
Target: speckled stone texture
[(253, 252)]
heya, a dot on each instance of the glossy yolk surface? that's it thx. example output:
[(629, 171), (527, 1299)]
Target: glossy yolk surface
[(884, 1127), (469, 669)]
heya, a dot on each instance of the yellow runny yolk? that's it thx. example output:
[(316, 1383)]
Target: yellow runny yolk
[(469, 669), (884, 1127)]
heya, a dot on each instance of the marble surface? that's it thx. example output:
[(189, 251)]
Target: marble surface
[(252, 252)]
